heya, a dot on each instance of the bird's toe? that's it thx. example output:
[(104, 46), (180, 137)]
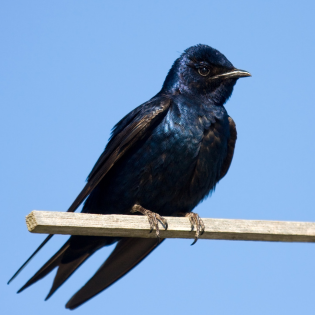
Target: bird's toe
[(196, 222), (153, 218)]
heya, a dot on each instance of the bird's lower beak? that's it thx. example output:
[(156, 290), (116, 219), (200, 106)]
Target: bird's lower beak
[(235, 74)]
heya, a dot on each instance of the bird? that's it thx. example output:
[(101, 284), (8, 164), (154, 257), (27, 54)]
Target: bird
[(162, 159)]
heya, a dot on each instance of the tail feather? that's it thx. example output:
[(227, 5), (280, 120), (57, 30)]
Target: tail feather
[(65, 271), (52, 263), (69, 257), (31, 257), (126, 255)]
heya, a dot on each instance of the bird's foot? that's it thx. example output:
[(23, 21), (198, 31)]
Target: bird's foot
[(196, 221), (153, 219)]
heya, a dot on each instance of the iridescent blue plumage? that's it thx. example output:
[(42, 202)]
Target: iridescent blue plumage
[(166, 155), (174, 168)]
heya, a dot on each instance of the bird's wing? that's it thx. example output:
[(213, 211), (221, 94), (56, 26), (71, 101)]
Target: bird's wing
[(127, 254), (117, 129), (230, 149), (132, 128)]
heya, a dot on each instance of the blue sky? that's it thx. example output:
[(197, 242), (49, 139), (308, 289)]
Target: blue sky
[(70, 70)]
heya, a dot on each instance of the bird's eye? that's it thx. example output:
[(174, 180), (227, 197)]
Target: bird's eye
[(204, 71)]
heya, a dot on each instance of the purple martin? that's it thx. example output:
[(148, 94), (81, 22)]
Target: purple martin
[(162, 159)]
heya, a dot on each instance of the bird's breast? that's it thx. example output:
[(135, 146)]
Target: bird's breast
[(171, 170), (186, 152)]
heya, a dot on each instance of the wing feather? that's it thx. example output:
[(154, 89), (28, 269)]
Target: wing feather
[(119, 144), (132, 128), (230, 149)]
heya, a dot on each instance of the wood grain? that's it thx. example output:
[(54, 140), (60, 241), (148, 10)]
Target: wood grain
[(50, 222)]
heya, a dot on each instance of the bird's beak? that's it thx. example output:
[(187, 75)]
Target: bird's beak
[(235, 74)]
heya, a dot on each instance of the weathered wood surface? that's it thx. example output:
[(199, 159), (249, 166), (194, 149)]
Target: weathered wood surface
[(178, 227)]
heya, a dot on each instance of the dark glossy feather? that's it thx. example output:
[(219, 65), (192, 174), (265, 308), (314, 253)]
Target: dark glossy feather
[(230, 150), (127, 254), (167, 155), (51, 264), (131, 131), (126, 133)]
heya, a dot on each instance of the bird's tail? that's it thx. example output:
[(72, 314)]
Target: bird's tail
[(70, 256), (128, 253), (30, 258)]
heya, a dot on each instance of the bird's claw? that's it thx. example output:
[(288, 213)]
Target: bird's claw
[(153, 219), (196, 221)]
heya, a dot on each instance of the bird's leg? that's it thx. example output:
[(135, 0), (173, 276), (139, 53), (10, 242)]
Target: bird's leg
[(195, 221), (153, 218)]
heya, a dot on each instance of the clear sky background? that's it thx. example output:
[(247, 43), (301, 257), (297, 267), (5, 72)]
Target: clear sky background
[(70, 70)]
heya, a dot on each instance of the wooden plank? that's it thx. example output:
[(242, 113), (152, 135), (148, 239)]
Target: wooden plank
[(178, 227)]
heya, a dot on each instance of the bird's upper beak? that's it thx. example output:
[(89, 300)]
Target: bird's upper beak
[(234, 73)]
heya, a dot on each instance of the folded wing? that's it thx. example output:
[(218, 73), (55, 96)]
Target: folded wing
[(131, 129)]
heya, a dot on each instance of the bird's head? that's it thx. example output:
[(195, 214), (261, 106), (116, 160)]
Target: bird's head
[(202, 71)]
